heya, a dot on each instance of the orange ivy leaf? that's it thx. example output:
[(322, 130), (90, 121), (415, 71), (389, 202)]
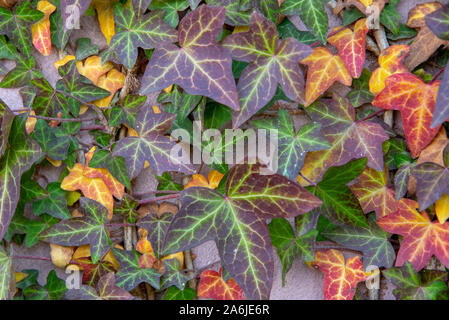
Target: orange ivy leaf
[(422, 237), (41, 29), (351, 47), (96, 184), (416, 100), (390, 62), (93, 69), (198, 180), (372, 192), (105, 13), (112, 81), (340, 278), (324, 70), (213, 286)]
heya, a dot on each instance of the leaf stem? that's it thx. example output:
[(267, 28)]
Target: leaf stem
[(62, 119), (372, 115), (170, 196), (32, 258), (125, 224), (307, 179), (437, 75)]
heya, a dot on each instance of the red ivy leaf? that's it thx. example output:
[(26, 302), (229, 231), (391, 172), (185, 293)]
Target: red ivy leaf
[(212, 285)]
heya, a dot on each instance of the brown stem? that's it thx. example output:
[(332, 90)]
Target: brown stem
[(372, 115), (93, 128), (189, 265), (170, 196), (62, 119)]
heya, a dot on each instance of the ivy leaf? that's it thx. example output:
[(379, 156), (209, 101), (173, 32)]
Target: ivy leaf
[(293, 145), (432, 181), (55, 286), (235, 16), (324, 69), (34, 227), (401, 180), (85, 49), (130, 274), (390, 17), (59, 34), (151, 145), (171, 8), (146, 31), (373, 194), (6, 270), (340, 205), (173, 293), (270, 62), (71, 12), (106, 290), (89, 229), (114, 165), (173, 276), (360, 93), (371, 240), (6, 121), (410, 285), (22, 74), (211, 65), (212, 285), (349, 139), (41, 30), (236, 222), (422, 237), (351, 46), (340, 276), (390, 62), (416, 101), (16, 25), (287, 29), (21, 153), (53, 142), (311, 12), (157, 227), (56, 203), (290, 246), (438, 22)]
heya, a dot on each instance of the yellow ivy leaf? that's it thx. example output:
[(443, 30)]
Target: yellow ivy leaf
[(96, 184), (198, 180), (55, 163), (92, 68), (112, 81), (41, 30), (105, 13), (442, 208), (63, 61), (60, 255)]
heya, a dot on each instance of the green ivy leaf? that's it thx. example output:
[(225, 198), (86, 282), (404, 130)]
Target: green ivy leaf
[(34, 227), (56, 203), (410, 285), (340, 205), (390, 17), (130, 275), (236, 222), (22, 74), (290, 246), (235, 16), (53, 144), (171, 8), (85, 49), (173, 276), (89, 229), (55, 286), (18, 158), (287, 29), (157, 227), (16, 25), (311, 12), (173, 293), (133, 31), (293, 145), (371, 240), (115, 165)]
